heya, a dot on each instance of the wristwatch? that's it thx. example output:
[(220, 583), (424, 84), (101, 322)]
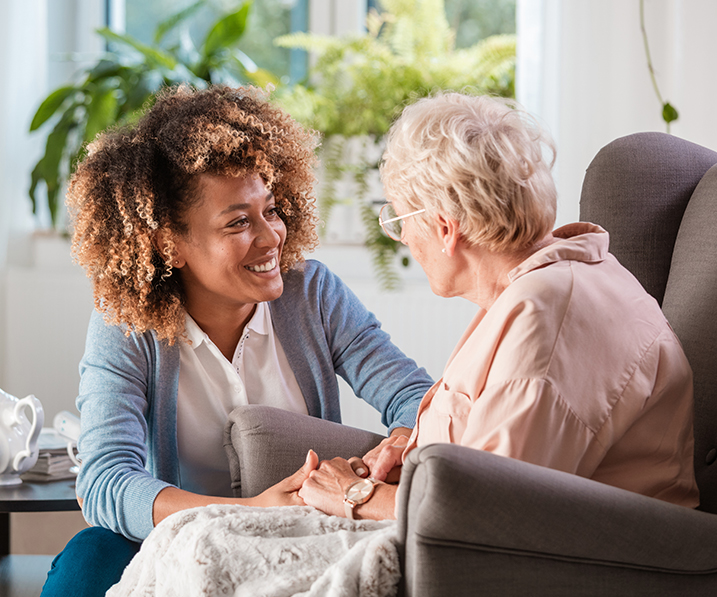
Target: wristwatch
[(357, 493)]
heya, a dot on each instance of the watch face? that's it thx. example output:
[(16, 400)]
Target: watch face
[(360, 491)]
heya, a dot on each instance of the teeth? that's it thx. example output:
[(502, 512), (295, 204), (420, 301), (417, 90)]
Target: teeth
[(266, 267)]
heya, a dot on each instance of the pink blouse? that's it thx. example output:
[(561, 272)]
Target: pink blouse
[(575, 368)]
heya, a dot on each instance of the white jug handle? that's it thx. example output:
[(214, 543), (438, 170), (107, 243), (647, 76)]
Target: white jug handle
[(38, 419), (71, 453)]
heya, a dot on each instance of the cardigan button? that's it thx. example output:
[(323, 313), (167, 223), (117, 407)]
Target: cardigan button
[(711, 456)]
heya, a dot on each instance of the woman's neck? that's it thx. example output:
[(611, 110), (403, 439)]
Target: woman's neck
[(223, 326), (490, 271)]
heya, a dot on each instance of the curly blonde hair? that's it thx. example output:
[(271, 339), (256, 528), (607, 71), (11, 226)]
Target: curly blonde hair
[(129, 197), (480, 160)]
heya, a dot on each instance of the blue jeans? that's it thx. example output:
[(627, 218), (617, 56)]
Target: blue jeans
[(92, 561)]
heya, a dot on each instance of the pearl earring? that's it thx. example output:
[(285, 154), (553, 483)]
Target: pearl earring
[(443, 250)]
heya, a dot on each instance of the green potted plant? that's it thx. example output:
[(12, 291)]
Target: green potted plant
[(360, 83), (117, 88)]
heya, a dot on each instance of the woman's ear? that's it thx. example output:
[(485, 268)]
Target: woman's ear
[(161, 243), (448, 233)]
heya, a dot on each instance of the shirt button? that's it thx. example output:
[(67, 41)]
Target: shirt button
[(711, 456)]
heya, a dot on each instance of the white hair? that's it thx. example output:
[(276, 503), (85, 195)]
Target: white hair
[(476, 159)]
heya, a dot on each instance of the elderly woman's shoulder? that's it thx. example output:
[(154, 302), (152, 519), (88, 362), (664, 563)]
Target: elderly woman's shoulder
[(548, 284)]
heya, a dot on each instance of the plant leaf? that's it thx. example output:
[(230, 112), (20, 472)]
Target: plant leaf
[(154, 56), (35, 179), (669, 113), (101, 113), (170, 23), (50, 105), (186, 52), (223, 76), (182, 74), (247, 63), (311, 42), (106, 67), (48, 168), (227, 31), (252, 72), (381, 248), (262, 77)]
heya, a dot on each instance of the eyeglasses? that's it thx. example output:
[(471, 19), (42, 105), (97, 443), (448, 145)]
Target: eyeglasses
[(392, 223)]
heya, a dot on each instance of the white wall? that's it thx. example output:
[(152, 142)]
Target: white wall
[(336, 17), (48, 307), (23, 52), (582, 69), (44, 302)]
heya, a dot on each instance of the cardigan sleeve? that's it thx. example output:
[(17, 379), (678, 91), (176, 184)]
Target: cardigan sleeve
[(332, 332), (117, 490)]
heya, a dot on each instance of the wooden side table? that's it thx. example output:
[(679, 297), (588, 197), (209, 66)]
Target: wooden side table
[(21, 575)]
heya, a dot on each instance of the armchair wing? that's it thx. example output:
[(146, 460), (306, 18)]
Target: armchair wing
[(476, 523), (265, 445)]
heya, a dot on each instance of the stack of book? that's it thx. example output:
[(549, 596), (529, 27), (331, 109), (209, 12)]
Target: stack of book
[(53, 463)]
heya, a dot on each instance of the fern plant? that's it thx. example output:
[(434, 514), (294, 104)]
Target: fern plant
[(360, 83)]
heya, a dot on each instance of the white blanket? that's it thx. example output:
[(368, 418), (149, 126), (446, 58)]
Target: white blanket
[(263, 552)]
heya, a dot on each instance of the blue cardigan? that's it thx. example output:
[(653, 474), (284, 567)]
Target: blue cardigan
[(128, 392)]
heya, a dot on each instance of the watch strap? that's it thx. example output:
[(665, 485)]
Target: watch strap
[(350, 505)]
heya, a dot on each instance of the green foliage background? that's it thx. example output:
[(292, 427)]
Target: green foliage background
[(123, 83), (360, 83)]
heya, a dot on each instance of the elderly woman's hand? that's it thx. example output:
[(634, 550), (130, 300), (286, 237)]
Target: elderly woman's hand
[(384, 462), (325, 487)]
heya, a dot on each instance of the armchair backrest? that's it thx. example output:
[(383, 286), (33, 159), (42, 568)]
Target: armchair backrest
[(657, 197)]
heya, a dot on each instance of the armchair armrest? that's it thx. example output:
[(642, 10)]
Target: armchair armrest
[(265, 445), (470, 520)]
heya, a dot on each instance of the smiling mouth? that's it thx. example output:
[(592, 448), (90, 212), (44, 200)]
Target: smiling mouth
[(264, 267)]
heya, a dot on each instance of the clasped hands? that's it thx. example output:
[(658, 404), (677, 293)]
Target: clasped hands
[(323, 484)]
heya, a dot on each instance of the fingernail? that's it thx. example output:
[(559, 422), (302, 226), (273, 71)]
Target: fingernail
[(308, 456), (360, 471)]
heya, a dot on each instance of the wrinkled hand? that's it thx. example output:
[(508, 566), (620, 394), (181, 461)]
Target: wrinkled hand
[(286, 492), (384, 462), (325, 487)]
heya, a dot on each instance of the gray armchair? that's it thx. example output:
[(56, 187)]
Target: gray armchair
[(473, 523)]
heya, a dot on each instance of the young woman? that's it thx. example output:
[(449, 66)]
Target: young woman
[(192, 226)]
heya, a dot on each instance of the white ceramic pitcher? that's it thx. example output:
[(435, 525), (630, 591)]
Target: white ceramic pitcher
[(18, 436)]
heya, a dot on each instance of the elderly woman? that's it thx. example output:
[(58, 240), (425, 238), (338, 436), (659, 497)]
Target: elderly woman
[(568, 363), (192, 226)]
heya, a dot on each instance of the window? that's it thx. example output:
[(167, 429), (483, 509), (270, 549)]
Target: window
[(473, 20), (268, 19)]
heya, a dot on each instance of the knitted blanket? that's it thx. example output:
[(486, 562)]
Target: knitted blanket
[(263, 552)]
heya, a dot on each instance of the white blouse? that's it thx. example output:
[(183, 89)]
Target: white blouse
[(210, 387)]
